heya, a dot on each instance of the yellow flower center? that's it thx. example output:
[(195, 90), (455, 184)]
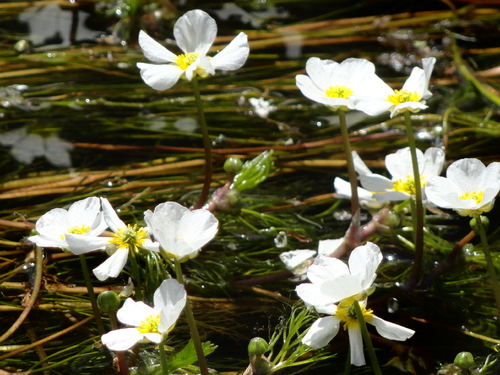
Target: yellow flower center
[(476, 195), (408, 185), (150, 324), (347, 315), (403, 96), (131, 236), (338, 92), (187, 59), (77, 230)]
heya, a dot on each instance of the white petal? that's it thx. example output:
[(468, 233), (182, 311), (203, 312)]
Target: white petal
[(151, 246), (169, 293), (416, 82), (154, 337), (112, 219), (201, 63), (134, 313), (112, 266), (198, 227), (364, 261), (309, 89), (323, 73), (195, 31), (53, 224), (442, 192), (408, 106), (121, 339), (434, 160), (80, 244), (84, 212), (391, 196), (376, 183), (325, 269), (342, 286), (43, 241), (153, 50), (328, 247), (359, 164), (356, 345), (160, 77), (390, 330), (322, 332), (234, 55), (428, 65), (399, 164), (313, 296)]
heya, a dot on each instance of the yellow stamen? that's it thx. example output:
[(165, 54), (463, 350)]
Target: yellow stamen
[(150, 324), (403, 96), (77, 230), (338, 92), (187, 59), (408, 185), (347, 315), (476, 195), (131, 236)]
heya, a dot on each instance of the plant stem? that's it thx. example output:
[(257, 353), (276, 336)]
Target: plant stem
[(353, 178), (163, 359), (202, 362), (418, 229), (206, 144), (489, 263), (347, 369), (90, 289), (135, 273), (367, 339)]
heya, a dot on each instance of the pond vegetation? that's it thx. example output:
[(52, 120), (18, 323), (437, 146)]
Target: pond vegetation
[(78, 121)]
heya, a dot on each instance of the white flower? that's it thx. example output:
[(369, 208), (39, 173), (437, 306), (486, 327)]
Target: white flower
[(410, 98), (399, 165), (329, 247), (152, 324), (332, 282), (194, 33), (469, 188), (75, 229), (180, 231), (338, 86), (125, 238)]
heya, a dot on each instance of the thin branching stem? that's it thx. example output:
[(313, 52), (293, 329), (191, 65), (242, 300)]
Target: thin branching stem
[(202, 362), (353, 179), (206, 145), (367, 339), (93, 300), (418, 229), (135, 273), (489, 263)]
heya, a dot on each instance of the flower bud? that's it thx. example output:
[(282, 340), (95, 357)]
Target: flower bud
[(233, 165), (257, 346), (108, 301), (464, 360), (484, 220)]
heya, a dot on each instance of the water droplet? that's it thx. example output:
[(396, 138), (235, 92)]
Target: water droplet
[(392, 305), (281, 240)]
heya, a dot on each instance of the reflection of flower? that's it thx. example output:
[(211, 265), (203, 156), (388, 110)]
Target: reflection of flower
[(399, 165), (335, 85), (181, 232), (26, 147), (410, 98), (125, 238), (75, 229), (469, 188), (332, 282), (297, 261), (194, 33), (262, 107), (151, 324)]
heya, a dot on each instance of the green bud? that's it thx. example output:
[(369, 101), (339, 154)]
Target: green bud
[(464, 360), (484, 220), (257, 346), (233, 165), (108, 301)]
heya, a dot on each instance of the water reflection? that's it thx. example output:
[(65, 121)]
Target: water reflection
[(25, 147)]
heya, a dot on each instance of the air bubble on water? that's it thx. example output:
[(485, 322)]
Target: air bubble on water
[(281, 240), (392, 305)]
